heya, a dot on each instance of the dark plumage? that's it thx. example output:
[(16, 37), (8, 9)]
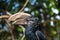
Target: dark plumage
[(32, 30)]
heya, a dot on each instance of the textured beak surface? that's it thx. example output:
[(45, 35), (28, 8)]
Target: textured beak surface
[(18, 15)]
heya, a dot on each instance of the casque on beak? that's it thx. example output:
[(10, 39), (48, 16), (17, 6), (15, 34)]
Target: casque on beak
[(19, 15)]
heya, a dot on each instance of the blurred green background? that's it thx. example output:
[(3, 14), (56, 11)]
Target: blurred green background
[(48, 12)]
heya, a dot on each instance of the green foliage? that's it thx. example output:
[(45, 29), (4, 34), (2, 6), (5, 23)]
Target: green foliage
[(45, 10), (19, 29)]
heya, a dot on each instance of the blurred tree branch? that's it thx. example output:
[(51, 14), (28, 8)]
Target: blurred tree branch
[(6, 17)]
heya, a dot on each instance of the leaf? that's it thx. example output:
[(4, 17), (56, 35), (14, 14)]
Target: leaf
[(19, 29)]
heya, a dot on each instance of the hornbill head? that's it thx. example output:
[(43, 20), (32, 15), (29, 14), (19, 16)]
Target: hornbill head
[(22, 18), (30, 24)]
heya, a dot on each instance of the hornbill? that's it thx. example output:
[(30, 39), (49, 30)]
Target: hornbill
[(31, 25)]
